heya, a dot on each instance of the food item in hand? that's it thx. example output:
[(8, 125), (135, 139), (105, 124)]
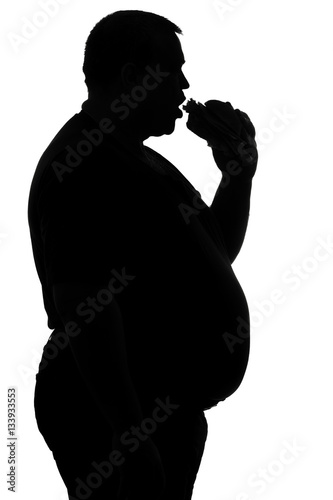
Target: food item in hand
[(216, 122)]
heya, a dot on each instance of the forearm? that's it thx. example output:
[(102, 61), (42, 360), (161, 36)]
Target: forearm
[(231, 207)]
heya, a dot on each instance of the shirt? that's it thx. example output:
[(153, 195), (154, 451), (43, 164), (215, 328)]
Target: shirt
[(100, 214)]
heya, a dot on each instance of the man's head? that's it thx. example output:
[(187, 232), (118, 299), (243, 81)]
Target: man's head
[(133, 60)]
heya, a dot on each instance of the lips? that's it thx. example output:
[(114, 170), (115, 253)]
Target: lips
[(178, 110), (216, 122)]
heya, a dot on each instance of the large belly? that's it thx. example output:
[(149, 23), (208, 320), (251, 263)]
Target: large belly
[(185, 314), (193, 321), (218, 339)]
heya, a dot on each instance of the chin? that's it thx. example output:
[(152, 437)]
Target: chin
[(165, 129)]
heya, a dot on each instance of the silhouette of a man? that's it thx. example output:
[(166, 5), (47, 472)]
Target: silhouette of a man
[(149, 323)]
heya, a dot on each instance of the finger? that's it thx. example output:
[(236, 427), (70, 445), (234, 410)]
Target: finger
[(248, 125), (247, 153)]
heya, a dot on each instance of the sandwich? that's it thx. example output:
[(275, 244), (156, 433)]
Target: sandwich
[(218, 123)]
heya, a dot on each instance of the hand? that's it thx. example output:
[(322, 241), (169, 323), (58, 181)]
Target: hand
[(243, 163), (142, 474)]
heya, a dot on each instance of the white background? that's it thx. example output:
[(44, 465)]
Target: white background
[(268, 58)]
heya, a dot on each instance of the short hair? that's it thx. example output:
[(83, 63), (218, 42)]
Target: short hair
[(121, 37)]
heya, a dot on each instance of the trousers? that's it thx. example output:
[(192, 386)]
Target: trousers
[(80, 438)]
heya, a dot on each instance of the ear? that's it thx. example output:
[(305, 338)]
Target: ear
[(130, 75)]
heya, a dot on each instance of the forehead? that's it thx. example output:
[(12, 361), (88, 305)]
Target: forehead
[(169, 50)]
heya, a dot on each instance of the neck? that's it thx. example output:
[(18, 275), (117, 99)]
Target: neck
[(124, 131)]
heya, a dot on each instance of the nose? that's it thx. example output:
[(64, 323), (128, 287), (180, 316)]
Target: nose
[(183, 82)]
